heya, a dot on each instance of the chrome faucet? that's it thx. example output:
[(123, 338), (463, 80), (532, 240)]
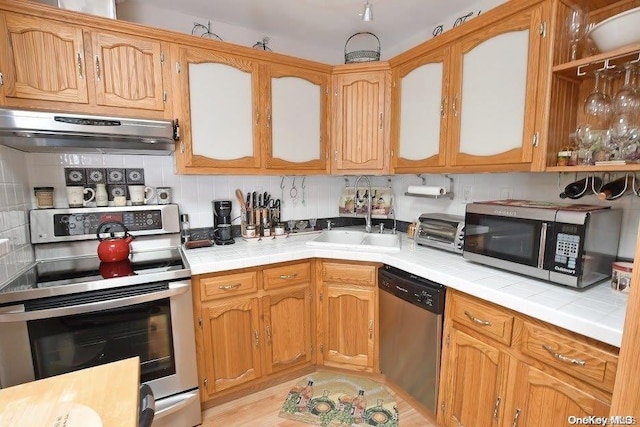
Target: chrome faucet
[(367, 226)]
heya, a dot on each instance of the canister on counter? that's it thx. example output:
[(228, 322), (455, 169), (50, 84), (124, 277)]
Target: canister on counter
[(44, 197), (621, 276), (250, 231)]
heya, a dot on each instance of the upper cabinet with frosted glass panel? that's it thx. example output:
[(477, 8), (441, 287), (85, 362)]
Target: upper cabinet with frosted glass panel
[(572, 81), (240, 115), (495, 102), (296, 133), (419, 127), (468, 99)]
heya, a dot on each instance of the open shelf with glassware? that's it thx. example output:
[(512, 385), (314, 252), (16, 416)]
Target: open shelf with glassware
[(574, 81)]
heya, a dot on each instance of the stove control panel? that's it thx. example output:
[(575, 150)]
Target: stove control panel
[(82, 224), (88, 223)]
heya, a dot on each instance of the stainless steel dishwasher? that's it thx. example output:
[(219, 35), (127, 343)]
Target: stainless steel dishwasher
[(411, 310)]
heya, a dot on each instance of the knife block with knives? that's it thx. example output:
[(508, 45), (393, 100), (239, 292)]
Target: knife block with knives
[(258, 209)]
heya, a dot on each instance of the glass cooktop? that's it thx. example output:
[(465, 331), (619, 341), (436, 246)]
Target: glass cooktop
[(83, 274)]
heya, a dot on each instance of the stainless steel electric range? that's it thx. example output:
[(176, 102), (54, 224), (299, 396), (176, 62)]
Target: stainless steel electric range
[(71, 311)]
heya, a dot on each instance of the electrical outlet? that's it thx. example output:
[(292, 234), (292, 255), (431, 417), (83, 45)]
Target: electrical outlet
[(466, 194), (506, 193)]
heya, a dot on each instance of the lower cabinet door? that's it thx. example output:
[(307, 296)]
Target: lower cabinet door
[(349, 316), (540, 399), (474, 382), (232, 341), (287, 329)]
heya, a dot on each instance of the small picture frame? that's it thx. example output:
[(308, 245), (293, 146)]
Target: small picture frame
[(116, 176), (74, 177), (114, 190), (96, 175), (135, 176)]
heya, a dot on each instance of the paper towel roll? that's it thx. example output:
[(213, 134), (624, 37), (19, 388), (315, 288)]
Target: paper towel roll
[(427, 190)]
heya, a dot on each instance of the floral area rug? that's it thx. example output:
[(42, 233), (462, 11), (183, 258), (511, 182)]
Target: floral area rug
[(328, 399)]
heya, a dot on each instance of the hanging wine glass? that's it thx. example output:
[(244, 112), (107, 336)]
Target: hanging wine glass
[(576, 28), (624, 124), (594, 104), (607, 104)]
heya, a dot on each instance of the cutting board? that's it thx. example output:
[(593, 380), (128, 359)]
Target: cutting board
[(55, 414)]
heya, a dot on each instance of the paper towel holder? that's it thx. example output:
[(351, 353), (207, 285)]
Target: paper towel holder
[(448, 195)]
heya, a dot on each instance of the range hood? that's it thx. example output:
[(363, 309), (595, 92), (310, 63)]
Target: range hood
[(47, 132)]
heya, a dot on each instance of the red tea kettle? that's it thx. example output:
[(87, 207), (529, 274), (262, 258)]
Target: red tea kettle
[(113, 249)]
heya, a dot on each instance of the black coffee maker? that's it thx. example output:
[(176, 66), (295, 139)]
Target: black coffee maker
[(222, 230)]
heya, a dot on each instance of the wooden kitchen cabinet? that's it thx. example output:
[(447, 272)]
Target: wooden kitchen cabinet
[(348, 331), (242, 115), (361, 123), (420, 111), (507, 369), (454, 109), (252, 325), (94, 71), (475, 373), (572, 81)]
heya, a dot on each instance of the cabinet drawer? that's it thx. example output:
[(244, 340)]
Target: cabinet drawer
[(570, 355), (279, 277), (484, 318), (228, 285), (353, 274)]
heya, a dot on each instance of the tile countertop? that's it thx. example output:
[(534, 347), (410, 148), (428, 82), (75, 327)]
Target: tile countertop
[(597, 312)]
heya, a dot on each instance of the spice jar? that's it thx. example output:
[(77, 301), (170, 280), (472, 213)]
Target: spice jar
[(279, 229), (563, 158), (251, 231), (44, 197)]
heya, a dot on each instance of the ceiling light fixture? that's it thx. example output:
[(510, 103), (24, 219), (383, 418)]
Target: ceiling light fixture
[(367, 12)]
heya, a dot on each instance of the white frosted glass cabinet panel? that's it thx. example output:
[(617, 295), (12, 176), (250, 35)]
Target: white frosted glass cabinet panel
[(221, 111), (420, 116), (494, 88), (296, 120)]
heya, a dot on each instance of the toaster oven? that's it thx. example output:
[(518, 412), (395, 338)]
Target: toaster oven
[(441, 231)]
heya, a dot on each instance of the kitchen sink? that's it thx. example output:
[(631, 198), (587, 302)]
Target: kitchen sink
[(355, 239)]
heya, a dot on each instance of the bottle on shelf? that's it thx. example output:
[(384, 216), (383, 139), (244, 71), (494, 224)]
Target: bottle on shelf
[(617, 188), (185, 228), (583, 187)]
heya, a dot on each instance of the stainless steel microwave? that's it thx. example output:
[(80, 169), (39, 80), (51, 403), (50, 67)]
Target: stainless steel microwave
[(572, 245)]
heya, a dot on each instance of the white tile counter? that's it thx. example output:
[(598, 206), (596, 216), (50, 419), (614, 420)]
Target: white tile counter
[(597, 312)]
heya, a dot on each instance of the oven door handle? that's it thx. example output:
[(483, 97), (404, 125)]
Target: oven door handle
[(17, 313), (543, 245)]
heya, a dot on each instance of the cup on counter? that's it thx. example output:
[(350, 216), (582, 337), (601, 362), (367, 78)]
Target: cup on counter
[(75, 196), (621, 276), (140, 194), (164, 195)]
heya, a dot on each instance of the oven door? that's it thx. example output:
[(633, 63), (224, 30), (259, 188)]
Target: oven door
[(55, 335), (511, 243)]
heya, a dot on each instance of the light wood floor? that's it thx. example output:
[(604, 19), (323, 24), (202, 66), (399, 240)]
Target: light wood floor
[(261, 410)]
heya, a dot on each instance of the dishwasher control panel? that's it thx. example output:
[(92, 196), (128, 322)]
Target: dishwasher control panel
[(416, 290)]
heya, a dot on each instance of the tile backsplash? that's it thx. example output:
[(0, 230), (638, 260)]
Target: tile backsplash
[(317, 196), (15, 203)]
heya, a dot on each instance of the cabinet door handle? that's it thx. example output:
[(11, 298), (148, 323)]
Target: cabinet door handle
[(515, 418), (229, 287), (288, 276), (268, 117), (443, 104), (496, 409), (564, 358), (454, 106), (335, 155), (257, 117), (370, 329), (268, 331), (476, 320), (380, 121), (80, 71), (257, 336), (98, 72)]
